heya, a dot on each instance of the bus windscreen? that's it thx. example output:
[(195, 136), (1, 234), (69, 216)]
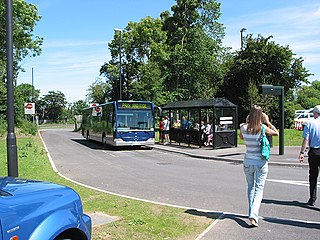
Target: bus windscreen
[(134, 120)]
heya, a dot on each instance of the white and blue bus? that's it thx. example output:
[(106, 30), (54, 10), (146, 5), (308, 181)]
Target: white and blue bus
[(120, 123)]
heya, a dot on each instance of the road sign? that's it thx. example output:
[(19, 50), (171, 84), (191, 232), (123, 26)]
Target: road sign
[(29, 108), (96, 110)]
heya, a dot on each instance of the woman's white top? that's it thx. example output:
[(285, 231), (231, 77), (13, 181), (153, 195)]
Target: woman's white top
[(253, 147)]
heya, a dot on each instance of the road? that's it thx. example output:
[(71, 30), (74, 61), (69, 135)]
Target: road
[(213, 186)]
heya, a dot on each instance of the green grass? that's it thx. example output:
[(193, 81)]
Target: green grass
[(138, 220)]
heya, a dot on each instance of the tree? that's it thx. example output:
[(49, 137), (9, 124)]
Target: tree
[(196, 55), (52, 105), (25, 18), (309, 96), (142, 49), (262, 62), (22, 94), (77, 107), (98, 91)]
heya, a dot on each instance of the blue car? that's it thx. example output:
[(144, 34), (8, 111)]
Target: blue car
[(35, 210)]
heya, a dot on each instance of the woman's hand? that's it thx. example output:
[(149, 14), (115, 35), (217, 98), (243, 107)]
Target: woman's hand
[(265, 118)]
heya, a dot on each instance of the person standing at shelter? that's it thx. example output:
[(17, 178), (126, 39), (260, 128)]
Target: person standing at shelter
[(161, 128), (311, 138), (254, 165), (166, 129)]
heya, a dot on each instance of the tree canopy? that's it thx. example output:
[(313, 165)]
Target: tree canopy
[(169, 58), (262, 61), (25, 18)]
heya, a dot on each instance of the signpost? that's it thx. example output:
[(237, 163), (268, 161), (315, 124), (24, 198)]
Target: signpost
[(95, 110), (278, 91), (29, 108)]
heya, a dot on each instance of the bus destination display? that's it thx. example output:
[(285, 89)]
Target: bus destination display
[(133, 105)]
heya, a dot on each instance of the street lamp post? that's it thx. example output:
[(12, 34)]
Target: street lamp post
[(241, 36), (32, 89), (32, 83), (120, 67), (12, 157)]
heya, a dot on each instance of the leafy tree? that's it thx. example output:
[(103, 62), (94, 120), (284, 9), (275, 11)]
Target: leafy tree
[(98, 91), (77, 107), (25, 18), (309, 96), (22, 94), (143, 50), (262, 62), (194, 39), (52, 105)]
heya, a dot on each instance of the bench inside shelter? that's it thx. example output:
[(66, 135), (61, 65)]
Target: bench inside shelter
[(189, 118)]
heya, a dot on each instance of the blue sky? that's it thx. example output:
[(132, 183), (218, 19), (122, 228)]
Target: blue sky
[(76, 35)]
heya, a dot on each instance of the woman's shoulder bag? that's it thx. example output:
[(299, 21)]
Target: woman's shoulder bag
[(265, 145)]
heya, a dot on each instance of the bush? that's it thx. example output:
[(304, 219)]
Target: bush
[(27, 127), (3, 127)]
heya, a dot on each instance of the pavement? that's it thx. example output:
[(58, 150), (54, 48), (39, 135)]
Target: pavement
[(235, 154), (234, 226)]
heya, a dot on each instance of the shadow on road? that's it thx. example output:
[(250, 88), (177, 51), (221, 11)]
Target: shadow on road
[(240, 219), (289, 203), (98, 146)]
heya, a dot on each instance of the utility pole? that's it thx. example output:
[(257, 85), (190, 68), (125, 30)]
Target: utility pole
[(120, 63), (11, 137)]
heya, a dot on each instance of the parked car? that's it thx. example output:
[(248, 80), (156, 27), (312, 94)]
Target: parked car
[(35, 210)]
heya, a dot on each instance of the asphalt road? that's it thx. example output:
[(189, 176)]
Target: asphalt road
[(209, 186)]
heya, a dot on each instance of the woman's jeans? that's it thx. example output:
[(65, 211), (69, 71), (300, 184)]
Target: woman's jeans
[(256, 176)]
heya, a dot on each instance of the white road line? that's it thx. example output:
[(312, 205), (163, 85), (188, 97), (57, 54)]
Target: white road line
[(292, 182)]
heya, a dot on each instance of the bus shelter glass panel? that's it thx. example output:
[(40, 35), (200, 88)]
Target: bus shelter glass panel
[(194, 119), (185, 121), (225, 119)]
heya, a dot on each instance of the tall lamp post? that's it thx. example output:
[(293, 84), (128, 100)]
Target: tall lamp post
[(241, 36), (32, 84), (120, 67), (11, 137), (32, 89)]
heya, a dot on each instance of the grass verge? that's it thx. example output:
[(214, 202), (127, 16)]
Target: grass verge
[(138, 220)]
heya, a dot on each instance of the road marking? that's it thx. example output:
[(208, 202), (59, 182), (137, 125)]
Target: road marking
[(112, 155), (292, 182)]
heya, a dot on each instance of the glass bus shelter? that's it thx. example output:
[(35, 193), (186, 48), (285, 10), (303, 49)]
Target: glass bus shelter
[(188, 118)]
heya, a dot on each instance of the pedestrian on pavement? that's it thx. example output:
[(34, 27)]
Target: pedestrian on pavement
[(311, 139), (161, 128), (166, 129), (254, 165)]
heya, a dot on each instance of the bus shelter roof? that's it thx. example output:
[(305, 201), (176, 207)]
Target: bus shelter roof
[(200, 103)]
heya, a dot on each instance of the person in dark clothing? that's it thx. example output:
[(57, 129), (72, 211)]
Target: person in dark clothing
[(311, 138)]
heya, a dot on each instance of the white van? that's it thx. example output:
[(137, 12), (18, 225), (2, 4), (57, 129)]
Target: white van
[(303, 118)]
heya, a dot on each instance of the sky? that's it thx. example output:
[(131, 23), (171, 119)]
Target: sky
[(77, 32)]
